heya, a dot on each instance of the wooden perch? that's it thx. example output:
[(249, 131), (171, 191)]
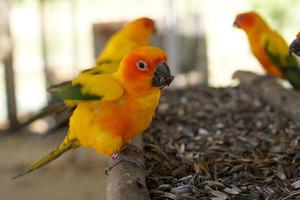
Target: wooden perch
[(266, 87), (126, 176)]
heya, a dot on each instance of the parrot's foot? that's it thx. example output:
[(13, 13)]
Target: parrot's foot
[(126, 154), (122, 159), (115, 156)]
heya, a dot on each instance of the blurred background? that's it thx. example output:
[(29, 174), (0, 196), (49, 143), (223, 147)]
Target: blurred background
[(45, 42)]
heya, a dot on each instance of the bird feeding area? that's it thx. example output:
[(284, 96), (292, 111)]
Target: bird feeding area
[(218, 143), (236, 142)]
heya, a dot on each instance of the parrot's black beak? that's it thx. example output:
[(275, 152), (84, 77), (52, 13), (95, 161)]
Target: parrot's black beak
[(295, 47), (236, 24), (162, 76)]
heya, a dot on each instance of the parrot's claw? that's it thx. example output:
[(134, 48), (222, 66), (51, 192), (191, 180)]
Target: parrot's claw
[(127, 153), (115, 156), (122, 158)]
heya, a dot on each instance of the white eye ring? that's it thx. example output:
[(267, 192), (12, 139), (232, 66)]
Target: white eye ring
[(142, 65)]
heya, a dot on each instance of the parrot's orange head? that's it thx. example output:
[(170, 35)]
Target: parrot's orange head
[(248, 21), (145, 23), (295, 46), (144, 69), (141, 29)]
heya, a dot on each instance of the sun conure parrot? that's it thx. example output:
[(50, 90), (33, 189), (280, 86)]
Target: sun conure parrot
[(112, 108), (134, 34), (269, 48), (295, 46)]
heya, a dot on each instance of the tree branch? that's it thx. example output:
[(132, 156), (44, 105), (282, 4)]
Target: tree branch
[(266, 87), (126, 176)]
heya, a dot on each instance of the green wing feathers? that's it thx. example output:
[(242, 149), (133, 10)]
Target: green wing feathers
[(68, 91), (277, 50), (89, 85), (101, 85), (93, 84)]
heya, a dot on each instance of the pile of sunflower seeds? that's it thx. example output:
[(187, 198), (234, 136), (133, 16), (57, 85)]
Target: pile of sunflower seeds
[(208, 143)]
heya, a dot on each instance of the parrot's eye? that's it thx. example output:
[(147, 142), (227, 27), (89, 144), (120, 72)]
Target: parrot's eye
[(141, 65)]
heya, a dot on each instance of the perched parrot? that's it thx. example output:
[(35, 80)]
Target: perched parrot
[(134, 34), (269, 48), (295, 46), (112, 108)]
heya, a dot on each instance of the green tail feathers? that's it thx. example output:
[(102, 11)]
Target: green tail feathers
[(292, 74), (65, 146), (291, 71)]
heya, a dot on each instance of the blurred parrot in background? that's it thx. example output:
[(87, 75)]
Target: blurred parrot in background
[(112, 108), (269, 48), (134, 34), (295, 46)]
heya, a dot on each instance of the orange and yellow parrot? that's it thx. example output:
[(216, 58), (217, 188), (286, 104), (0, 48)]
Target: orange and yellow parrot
[(134, 34), (269, 48), (295, 46), (112, 108)]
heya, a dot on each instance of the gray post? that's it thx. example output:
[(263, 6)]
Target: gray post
[(8, 67), (171, 36)]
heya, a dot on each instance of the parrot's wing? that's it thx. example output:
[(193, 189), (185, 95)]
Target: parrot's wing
[(115, 50), (105, 67), (67, 91), (277, 50), (70, 91), (89, 87), (104, 86)]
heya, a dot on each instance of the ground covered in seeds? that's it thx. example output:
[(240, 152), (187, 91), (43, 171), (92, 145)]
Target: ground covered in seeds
[(218, 144)]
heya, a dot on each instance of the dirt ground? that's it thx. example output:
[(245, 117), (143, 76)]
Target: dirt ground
[(75, 175)]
